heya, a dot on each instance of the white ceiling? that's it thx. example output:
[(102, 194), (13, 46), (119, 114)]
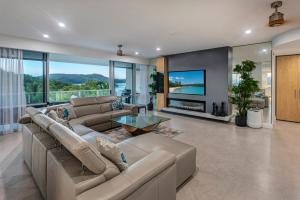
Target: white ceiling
[(142, 25)]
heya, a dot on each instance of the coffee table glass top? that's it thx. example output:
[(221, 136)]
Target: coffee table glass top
[(140, 122)]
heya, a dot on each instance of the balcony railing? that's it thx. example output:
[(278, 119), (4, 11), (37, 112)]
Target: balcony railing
[(63, 96)]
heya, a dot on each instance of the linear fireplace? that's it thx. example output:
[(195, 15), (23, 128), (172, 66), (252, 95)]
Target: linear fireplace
[(187, 104)]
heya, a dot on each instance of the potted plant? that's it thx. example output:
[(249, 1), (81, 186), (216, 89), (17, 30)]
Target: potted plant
[(241, 93), (153, 89)]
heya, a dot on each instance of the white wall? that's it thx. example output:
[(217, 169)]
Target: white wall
[(34, 45)]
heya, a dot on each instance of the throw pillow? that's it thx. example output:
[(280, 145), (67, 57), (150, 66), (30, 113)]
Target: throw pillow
[(53, 115), (71, 112), (117, 104), (112, 152)]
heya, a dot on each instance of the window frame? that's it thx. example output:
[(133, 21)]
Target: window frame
[(45, 92)]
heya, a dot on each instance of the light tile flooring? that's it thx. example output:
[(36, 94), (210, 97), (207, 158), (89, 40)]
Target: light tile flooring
[(233, 163)]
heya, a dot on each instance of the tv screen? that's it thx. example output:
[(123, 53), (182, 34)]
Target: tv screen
[(187, 82)]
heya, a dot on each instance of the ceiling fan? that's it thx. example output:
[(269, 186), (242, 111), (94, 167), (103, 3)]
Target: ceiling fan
[(120, 51), (277, 18)]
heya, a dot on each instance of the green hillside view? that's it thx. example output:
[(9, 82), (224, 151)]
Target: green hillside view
[(63, 86)]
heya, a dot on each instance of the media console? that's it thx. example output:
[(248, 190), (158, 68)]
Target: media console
[(192, 108)]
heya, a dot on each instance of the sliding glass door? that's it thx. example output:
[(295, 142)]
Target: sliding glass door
[(123, 80)]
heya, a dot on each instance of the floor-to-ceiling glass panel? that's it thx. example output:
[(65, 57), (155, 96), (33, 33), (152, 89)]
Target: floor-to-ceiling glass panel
[(123, 77), (70, 80), (34, 81), (143, 80), (261, 55)]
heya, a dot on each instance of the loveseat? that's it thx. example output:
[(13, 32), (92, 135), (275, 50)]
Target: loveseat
[(66, 164)]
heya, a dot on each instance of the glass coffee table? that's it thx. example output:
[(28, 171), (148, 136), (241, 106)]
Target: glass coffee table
[(137, 125)]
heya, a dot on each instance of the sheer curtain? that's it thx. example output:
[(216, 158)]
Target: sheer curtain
[(12, 94)]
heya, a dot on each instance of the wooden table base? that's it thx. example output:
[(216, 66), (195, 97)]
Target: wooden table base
[(138, 131)]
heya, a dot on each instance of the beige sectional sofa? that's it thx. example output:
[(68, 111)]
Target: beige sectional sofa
[(96, 112), (66, 164)]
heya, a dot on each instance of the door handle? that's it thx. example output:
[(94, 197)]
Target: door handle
[(295, 94)]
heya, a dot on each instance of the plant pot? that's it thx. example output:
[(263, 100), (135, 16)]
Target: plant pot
[(241, 121)]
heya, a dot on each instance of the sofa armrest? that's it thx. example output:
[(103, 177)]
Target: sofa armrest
[(134, 109), (25, 119), (134, 177)]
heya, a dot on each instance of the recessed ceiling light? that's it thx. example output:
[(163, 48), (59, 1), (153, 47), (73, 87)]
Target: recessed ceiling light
[(45, 35), (136, 53), (62, 25), (248, 31), (158, 49)]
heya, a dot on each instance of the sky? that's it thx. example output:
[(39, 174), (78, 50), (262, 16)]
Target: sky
[(34, 68), (188, 77)]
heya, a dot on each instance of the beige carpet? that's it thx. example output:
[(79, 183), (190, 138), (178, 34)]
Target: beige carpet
[(119, 134)]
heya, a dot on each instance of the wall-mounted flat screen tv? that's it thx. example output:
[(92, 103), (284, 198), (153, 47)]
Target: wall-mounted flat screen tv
[(187, 82)]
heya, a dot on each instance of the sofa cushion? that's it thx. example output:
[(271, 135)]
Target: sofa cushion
[(133, 154), (81, 129), (105, 99), (83, 101), (82, 150), (92, 136), (112, 152), (90, 120), (105, 107), (87, 110), (185, 154), (119, 113)]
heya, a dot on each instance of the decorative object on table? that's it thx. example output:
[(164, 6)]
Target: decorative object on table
[(255, 118), (140, 107), (126, 94), (112, 152), (120, 134), (150, 104), (222, 111), (153, 89), (214, 109), (117, 104), (242, 92)]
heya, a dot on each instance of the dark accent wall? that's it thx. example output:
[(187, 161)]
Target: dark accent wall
[(218, 65)]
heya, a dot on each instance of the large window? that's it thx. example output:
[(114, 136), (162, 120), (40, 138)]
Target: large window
[(34, 68), (69, 80), (123, 79)]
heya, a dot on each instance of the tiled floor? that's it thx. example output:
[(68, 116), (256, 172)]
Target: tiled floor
[(233, 163)]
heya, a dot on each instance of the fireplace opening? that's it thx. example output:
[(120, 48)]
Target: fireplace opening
[(186, 104)]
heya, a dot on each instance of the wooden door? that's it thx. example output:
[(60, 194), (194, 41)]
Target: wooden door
[(287, 99), (298, 88)]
